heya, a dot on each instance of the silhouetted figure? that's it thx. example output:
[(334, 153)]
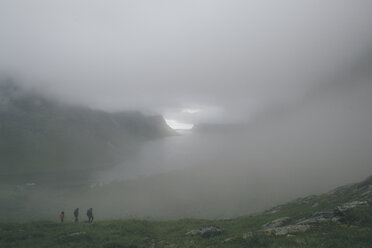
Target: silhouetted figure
[(62, 216), (76, 214), (90, 215)]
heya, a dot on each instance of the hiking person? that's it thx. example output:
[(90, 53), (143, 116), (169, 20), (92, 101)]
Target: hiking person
[(62, 216), (90, 215), (76, 214)]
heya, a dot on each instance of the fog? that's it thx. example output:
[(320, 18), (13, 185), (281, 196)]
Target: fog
[(278, 92), (236, 56)]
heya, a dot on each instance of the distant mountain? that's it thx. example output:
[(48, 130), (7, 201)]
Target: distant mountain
[(37, 133)]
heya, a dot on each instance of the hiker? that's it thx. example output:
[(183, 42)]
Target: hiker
[(62, 216), (76, 214), (90, 215)]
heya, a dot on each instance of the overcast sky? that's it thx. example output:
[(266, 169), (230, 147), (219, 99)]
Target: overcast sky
[(225, 59)]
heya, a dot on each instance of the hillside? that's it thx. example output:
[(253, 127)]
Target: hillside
[(39, 134), (340, 218)]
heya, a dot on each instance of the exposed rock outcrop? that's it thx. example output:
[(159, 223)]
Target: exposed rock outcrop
[(275, 223), (76, 234), (349, 205), (290, 229), (318, 217), (277, 227), (334, 215), (206, 232)]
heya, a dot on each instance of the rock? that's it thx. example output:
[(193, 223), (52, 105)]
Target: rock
[(338, 191), (285, 230), (152, 244), (193, 232), (315, 205), (228, 240), (318, 217), (275, 223), (300, 241), (273, 210), (350, 205), (76, 234), (247, 235), (211, 231), (306, 200), (334, 215), (366, 193), (336, 219), (206, 232), (281, 231)]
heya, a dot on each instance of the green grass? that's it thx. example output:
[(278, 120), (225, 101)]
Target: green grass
[(143, 233), (355, 231)]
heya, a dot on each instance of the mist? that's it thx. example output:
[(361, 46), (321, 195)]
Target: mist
[(278, 95)]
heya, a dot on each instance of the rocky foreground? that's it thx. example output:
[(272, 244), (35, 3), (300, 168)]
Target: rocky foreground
[(341, 218)]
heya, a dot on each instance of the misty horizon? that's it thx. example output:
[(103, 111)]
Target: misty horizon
[(177, 109), (231, 60)]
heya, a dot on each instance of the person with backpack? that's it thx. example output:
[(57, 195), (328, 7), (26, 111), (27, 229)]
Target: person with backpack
[(76, 214), (62, 216), (90, 215)]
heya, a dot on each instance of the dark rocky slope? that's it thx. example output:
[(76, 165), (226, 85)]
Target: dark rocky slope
[(39, 134)]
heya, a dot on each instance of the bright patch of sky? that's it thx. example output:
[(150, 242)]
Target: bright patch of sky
[(176, 125), (194, 114), (190, 111)]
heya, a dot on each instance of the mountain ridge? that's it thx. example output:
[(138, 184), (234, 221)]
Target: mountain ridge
[(37, 133)]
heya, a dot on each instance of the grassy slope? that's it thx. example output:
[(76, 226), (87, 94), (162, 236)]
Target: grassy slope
[(355, 232)]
